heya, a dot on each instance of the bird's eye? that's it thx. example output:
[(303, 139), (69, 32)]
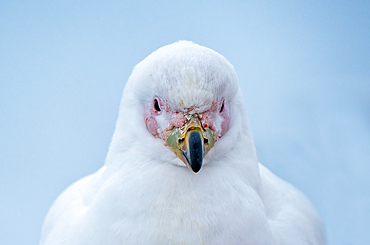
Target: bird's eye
[(156, 105), (222, 106)]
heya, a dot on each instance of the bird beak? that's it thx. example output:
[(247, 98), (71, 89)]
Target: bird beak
[(191, 142)]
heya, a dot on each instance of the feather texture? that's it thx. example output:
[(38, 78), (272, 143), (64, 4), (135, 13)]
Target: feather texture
[(144, 194)]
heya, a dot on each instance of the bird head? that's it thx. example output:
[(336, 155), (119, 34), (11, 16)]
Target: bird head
[(185, 94)]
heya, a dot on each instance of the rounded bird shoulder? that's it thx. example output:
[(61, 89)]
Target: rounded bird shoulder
[(64, 217), (289, 212)]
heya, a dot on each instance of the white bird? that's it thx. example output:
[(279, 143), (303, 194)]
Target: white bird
[(182, 167)]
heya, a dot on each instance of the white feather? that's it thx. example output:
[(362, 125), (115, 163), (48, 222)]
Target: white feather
[(143, 196)]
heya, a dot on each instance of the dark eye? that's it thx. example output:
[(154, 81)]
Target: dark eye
[(222, 106), (156, 105)]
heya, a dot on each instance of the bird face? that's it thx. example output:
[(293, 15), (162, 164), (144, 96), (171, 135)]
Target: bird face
[(190, 132), (187, 94)]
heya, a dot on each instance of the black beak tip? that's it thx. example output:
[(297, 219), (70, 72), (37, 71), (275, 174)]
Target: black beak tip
[(196, 151), (196, 167)]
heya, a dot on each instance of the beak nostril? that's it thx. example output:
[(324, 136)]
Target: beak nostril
[(181, 140), (205, 141)]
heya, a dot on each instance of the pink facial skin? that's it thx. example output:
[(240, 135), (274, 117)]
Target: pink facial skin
[(219, 107), (207, 121), (150, 115), (178, 117), (177, 121)]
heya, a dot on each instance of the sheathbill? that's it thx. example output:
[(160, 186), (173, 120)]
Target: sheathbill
[(182, 167)]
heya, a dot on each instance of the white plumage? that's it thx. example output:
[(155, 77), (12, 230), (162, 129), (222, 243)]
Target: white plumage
[(144, 194)]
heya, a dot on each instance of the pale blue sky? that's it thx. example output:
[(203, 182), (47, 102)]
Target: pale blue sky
[(303, 66)]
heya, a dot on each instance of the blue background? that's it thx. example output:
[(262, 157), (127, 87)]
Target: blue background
[(303, 67)]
